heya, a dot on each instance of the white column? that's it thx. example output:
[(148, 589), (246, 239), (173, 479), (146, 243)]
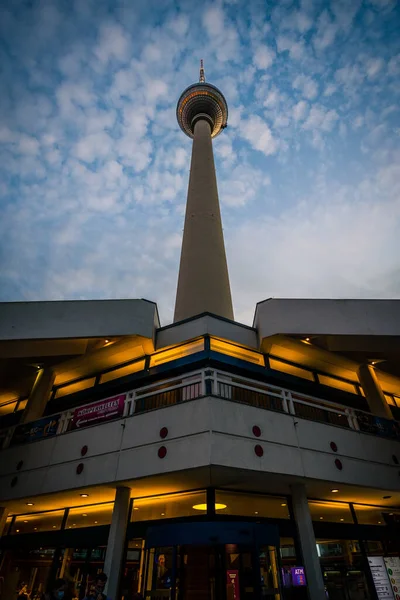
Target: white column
[(3, 519), (315, 582), (203, 282), (373, 392), (39, 396), (116, 541)]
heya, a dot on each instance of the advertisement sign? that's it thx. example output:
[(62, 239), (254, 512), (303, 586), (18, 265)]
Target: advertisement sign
[(43, 428), (393, 570), (298, 576), (378, 425), (98, 412), (380, 577), (232, 584)]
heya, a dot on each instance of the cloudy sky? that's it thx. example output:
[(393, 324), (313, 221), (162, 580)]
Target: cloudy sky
[(94, 169)]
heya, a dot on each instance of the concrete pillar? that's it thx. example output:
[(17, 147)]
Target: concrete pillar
[(116, 541), (203, 282), (315, 582), (39, 396), (3, 519), (373, 392)]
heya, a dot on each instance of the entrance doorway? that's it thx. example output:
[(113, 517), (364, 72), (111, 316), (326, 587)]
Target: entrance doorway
[(226, 569)]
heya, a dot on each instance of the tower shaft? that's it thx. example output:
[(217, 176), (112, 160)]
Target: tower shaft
[(203, 283)]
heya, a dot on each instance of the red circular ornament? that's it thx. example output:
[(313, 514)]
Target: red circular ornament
[(163, 432), (162, 452), (333, 446), (256, 430), (79, 468), (258, 450), (338, 464), (84, 450), (19, 465)]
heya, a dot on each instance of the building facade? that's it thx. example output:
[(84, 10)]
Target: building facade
[(205, 459)]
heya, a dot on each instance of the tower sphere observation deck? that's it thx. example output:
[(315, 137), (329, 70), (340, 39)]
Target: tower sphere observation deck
[(202, 101)]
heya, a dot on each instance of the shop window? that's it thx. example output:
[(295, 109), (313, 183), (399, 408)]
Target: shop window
[(25, 566), (332, 512), (35, 522), (339, 384), (122, 371), (90, 516), (236, 351), (176, 352), (376, 515), (279, 365), (251, 505), (78, 386), (170, 506), (343, 568)]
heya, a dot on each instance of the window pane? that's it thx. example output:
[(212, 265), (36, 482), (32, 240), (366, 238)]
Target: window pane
[(236, 351), (5, 409), (376, 515), (251, 505), (45, 521), (75, 387), (169, 506), (333, 512), (176, 352), (345, 386), (90, 516), (123, 371), (279, 365)]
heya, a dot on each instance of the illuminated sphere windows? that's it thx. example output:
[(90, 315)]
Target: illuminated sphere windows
[(202, 101)]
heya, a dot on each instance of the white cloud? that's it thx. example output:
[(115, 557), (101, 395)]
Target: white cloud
[(321, 119), (306, 85), (258, 134), (373, 67), (299, 110), (263, 57), (114, 43), (326, 31)]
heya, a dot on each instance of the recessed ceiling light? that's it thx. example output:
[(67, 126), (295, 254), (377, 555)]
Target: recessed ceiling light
[(73, 524), (379, 522), (256, 512), (29, 504), (84, 515), (106, 341), (135, 508), (390, 514), (342, 519), (321, 518), (17, 530), (84, 495), (334, 490), (54, 526), (283, 504), (25, 521), (35, 528), (96, 521), (163, 514)]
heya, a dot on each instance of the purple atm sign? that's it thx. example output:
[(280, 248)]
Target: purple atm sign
[(298, 576)]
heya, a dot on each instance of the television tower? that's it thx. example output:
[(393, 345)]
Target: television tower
[(203, 282)]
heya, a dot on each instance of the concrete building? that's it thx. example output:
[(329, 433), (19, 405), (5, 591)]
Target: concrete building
[(205, 459)]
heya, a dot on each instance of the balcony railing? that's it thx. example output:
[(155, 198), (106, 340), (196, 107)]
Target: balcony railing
[(210, 382)]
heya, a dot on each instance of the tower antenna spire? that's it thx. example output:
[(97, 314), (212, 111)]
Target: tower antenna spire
[(202, 76)]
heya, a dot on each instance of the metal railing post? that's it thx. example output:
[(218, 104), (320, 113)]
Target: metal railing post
[(291, 403), (203, 383), (349, 418), (284, 402), (214, 384)]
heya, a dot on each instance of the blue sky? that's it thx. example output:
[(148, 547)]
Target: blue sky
[(94, 169)]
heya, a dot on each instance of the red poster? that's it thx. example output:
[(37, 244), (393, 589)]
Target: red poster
[(232, 583), (98, 412)]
